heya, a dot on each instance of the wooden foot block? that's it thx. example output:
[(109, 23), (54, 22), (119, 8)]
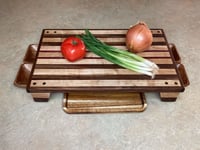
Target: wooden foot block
[(169, 96), (104, 102), (40, 97)]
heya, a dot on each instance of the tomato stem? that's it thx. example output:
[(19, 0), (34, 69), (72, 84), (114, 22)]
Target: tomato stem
[(74, 42)]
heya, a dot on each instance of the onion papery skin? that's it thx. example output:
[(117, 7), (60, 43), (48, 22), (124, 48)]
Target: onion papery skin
[(139, 38)]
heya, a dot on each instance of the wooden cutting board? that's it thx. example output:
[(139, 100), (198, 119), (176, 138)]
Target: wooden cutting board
[(52, 73)]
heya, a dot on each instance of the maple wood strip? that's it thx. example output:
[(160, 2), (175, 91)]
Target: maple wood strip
[(102, 31), (153, 47), (155, 31), (161, 60), (158, 47), (154, 54), (103, 83), (77, 32), (155, 39), (50, 54), (57, 48), (159, 39), (64, 61), (95, 61), (79, 66), (91, 54), (50, 48), (85, 71)]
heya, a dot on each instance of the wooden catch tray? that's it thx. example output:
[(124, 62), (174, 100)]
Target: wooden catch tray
[(88, 102), (50, 72)]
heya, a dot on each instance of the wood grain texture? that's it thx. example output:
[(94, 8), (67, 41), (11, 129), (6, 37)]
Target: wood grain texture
[(104, 83), (123, 47), (87, 99), (104, 102), (106, 40), (88, 71), (40, 97), (92, 61), (169, 96), (146, 54), (52, 72)]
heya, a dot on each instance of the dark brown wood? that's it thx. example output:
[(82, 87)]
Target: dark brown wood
[(52, 73), (183, 74), (176, 55), (23, 75), (30, 55)]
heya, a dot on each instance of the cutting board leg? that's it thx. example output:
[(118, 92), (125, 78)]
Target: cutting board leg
[(40, 97), (169, 96)]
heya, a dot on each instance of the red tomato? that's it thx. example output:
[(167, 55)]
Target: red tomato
[(73, 48)]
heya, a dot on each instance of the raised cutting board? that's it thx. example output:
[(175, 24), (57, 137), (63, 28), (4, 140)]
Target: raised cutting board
[(52, 73)]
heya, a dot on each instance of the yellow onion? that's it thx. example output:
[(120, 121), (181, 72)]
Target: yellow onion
[(139, 38)]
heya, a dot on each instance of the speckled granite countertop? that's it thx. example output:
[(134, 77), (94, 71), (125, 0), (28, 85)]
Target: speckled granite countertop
[(25, 124)]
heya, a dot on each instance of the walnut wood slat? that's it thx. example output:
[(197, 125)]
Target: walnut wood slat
[(92, 55), (52, 73)]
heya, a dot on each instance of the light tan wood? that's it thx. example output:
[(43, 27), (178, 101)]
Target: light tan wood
[(153, 47), (154, 54), (50, 54), (158, 47), (104, 83), (50, 48), (73, 32), (86, 71), (94, 61), (143, 54), (169, 94), (161, 60), (155, 39), (91, 54)]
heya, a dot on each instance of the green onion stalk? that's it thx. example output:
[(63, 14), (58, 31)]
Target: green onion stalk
[(120, 57)]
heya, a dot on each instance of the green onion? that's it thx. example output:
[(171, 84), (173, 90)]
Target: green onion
[(120, 57)]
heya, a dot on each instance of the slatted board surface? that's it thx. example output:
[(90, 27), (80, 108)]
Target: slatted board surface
[(52, 73)]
